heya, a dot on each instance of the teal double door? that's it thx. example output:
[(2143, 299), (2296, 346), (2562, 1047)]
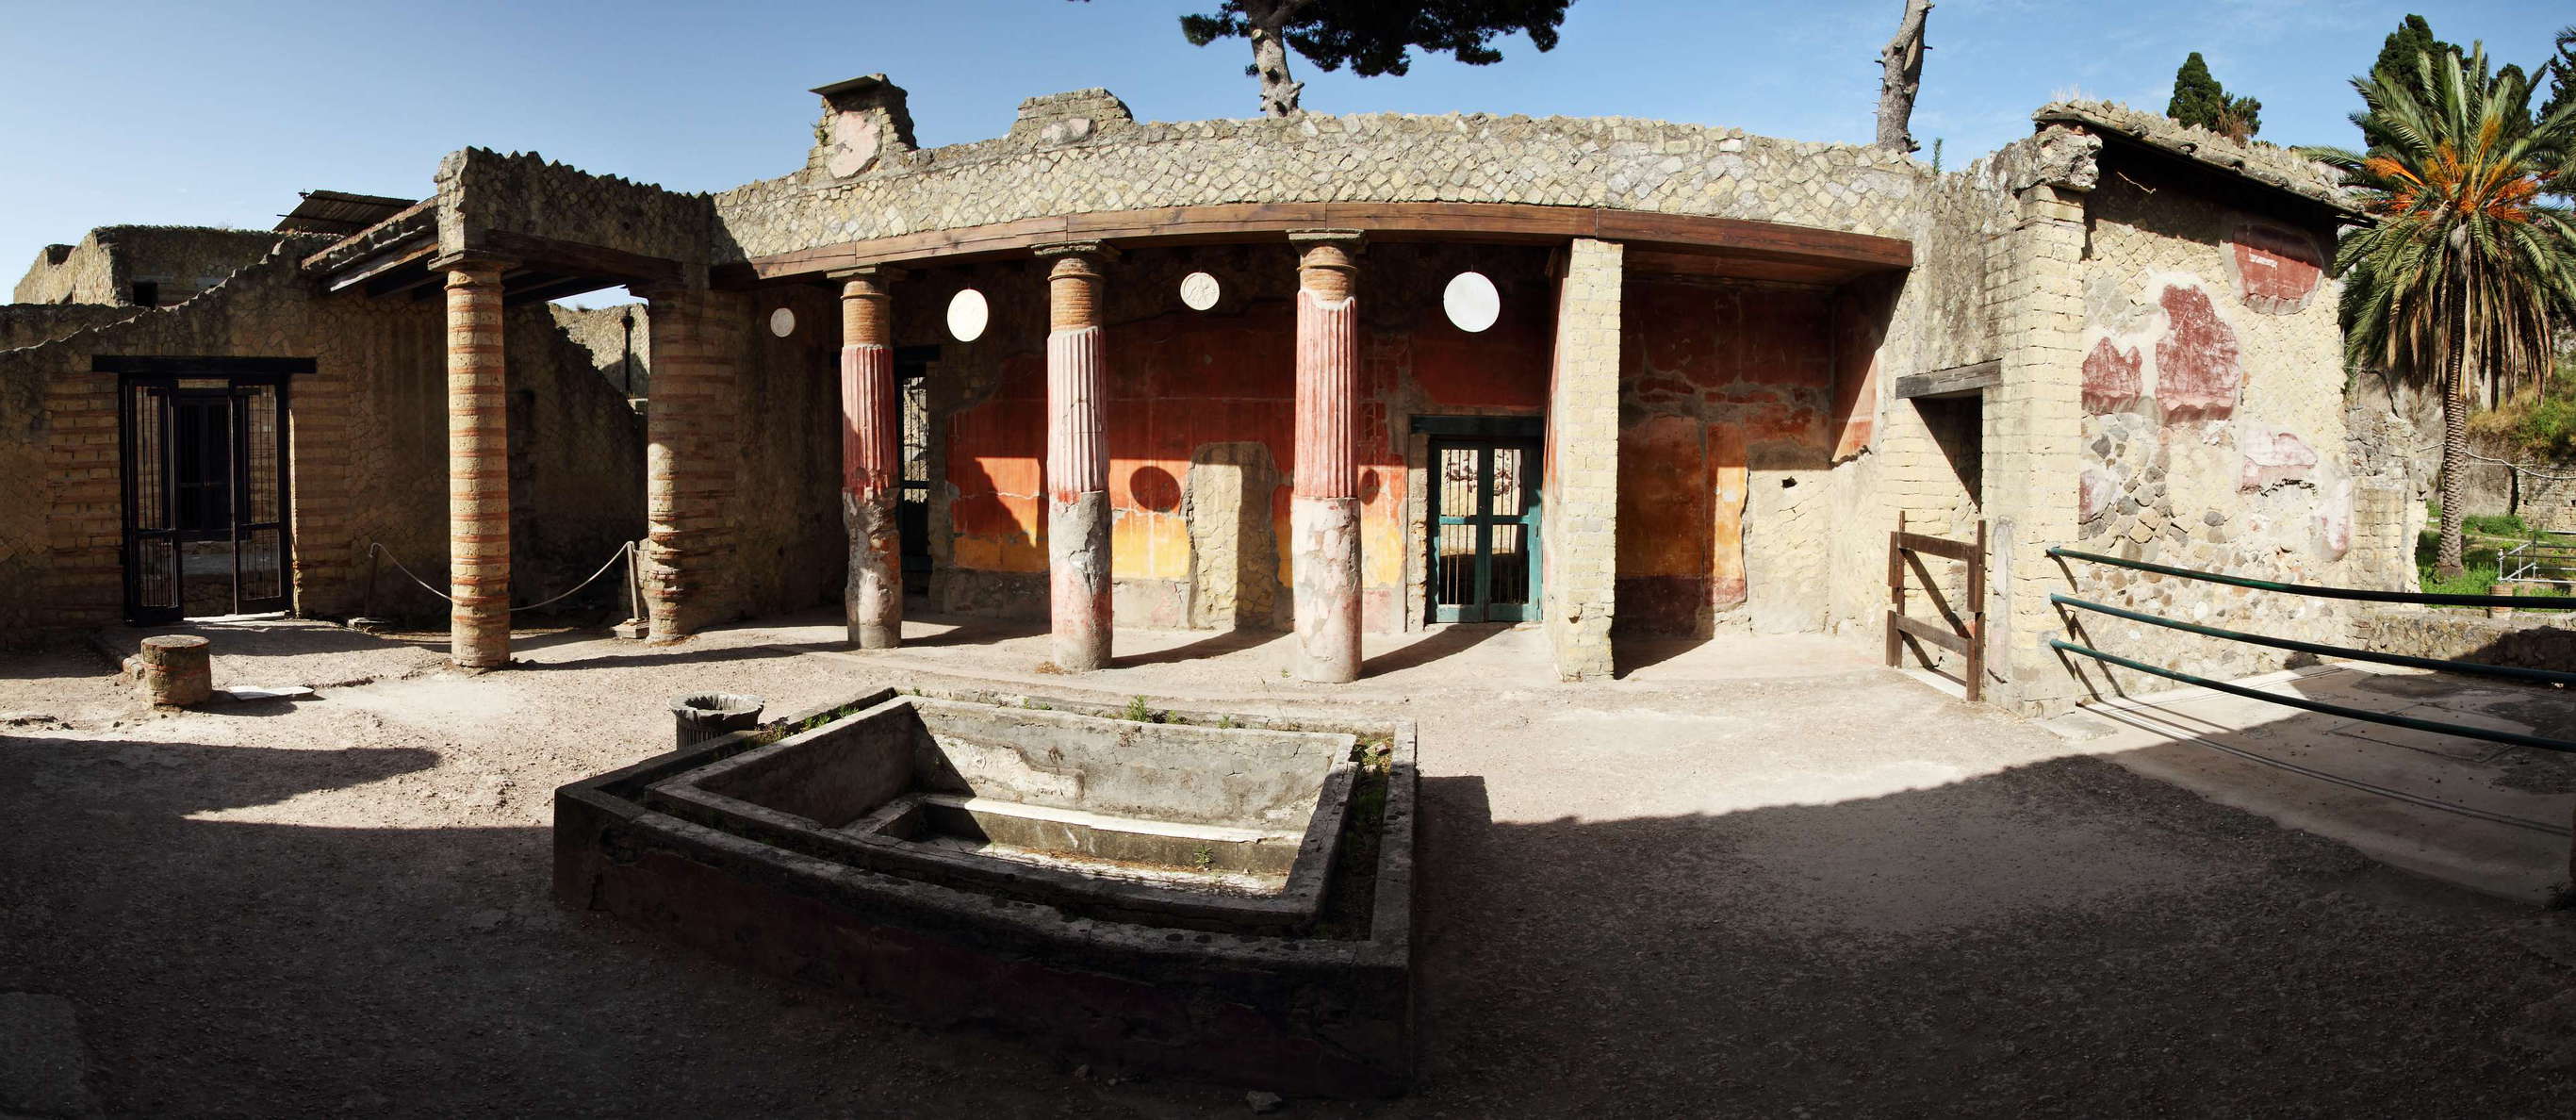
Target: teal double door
[(1484, 530)]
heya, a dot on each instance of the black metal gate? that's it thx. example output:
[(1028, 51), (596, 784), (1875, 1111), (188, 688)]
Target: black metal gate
[(205, 495)]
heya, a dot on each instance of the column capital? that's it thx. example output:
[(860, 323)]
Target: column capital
[(1084, 257), (870, 282), (880, 273), (472, 261), (1348, 239)]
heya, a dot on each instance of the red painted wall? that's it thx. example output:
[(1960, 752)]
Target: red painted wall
[(1711, 375)]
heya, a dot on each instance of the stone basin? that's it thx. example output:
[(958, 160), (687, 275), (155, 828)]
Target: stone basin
[(1225, 897), (1212, 827)]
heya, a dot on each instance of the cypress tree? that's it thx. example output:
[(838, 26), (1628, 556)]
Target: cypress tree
[(2198, 99)]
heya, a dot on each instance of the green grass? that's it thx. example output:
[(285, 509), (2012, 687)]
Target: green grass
[(2484, 537)]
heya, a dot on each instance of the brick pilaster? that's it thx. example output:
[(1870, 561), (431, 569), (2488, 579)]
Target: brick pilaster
[(1578, 535)]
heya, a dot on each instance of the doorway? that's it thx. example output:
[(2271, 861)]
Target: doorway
[(912, 498), (1484, 530), (205, 522)]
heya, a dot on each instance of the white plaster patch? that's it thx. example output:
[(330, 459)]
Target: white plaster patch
[(1472, 302), (782, 322), (967, 314), (855, 141)]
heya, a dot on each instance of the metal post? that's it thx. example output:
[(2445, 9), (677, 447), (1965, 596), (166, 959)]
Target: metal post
[(1977, 617)]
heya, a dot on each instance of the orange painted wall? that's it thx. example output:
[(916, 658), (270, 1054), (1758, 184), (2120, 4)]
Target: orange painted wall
[(1713, 378)]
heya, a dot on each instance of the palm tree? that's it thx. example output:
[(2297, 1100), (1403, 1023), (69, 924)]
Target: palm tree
[(2463, 266)]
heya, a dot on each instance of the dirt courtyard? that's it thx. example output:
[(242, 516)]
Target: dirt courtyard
[(1759, 877)]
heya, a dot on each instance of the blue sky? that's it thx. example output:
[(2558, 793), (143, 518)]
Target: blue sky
[(217, 112)]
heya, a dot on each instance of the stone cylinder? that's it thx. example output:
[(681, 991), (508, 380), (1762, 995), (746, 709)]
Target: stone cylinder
[(176, 670), (871, 465), (478, 469), (1077, 465), (1324, 513)]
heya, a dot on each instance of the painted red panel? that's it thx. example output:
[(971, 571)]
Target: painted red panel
[(2197, 370), (2111, 378), (2277, 269)]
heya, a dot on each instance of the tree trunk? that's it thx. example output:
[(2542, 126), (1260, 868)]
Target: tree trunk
[(2447, 564), (1902, 62), (1270, 56)]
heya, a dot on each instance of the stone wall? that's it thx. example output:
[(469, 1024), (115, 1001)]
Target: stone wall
[(619, 341), (26, 324), (367, 448), (1052, 165), (2215, 425), (177, 261), (482, 192)]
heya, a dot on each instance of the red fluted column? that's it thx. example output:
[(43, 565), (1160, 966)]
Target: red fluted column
[(871, 447), (1324, 511), (1077, 465), (478, 466)]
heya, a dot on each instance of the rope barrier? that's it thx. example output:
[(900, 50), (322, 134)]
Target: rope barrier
[(625, 551), (2525, 602), (2510, 672), (2493, 736)]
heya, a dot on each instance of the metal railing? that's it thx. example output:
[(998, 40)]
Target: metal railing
[(2540, 561), (2320, 649)]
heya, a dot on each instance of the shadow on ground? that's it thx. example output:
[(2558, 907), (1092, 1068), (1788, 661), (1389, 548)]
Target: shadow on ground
[(2061, 938)]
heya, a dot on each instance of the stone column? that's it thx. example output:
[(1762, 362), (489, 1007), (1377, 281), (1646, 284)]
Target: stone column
[(871, 449), (692, 442), (478, 465), (1579, 520), (1077, 463), (1324, 516)]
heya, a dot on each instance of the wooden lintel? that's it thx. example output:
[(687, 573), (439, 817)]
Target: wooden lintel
[(555, 289), (396, 283), (1956, 381), (366, 270), (1488, 222), (568, 258)]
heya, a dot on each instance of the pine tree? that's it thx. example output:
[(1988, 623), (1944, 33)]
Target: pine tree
[(2560, 72), (2413, 38)]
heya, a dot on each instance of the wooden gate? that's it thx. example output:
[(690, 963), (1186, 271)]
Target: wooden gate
[(1963, 635)]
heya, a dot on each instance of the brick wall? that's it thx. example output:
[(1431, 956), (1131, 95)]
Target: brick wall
[(366, 453)]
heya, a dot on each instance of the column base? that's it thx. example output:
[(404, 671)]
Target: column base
[(1078, 580), (1326, 562)]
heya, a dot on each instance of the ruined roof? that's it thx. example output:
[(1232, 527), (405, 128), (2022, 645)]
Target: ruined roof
[(2269, 165), (338, 212)]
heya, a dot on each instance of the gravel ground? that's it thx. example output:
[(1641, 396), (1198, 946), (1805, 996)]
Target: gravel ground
[(1774, 882)]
